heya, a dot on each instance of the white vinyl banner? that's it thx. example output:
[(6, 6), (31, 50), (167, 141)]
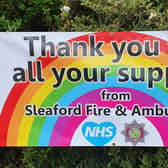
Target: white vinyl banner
[(84, 89)]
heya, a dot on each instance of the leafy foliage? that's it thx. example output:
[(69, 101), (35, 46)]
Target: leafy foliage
[(84, 15), (33, 15), (82, 157)]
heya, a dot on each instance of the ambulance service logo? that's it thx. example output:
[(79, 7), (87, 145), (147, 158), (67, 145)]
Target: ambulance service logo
[(134, 133)]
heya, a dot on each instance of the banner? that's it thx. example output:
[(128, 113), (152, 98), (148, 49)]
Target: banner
[(84, 89)]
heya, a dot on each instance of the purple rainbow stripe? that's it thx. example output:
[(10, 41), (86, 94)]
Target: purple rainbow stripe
[(65, 134)]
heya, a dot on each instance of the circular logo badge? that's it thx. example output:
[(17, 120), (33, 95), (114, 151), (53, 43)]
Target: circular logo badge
[(134, 132)]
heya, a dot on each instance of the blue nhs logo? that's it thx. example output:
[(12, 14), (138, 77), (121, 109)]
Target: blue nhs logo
[(99, 134)]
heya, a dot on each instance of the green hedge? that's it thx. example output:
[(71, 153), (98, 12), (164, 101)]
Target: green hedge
[(84, 15), (84, 157)]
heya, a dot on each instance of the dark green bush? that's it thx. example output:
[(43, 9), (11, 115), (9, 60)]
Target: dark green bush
[(33, 15), (84, 15), (84, 157)]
